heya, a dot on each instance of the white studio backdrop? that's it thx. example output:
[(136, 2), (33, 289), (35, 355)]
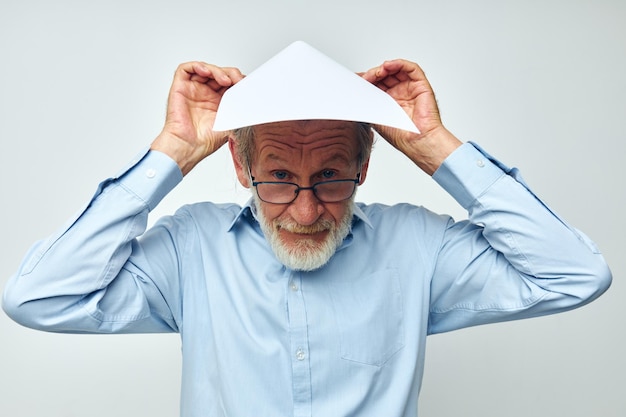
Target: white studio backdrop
[(539, 84)]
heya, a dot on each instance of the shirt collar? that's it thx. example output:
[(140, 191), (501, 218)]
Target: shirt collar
[(248, 212)]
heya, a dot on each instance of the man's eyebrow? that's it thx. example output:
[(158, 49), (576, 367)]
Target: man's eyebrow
[(275, 157)]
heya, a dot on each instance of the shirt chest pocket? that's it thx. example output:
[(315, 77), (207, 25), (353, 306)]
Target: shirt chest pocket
[(369, 316)]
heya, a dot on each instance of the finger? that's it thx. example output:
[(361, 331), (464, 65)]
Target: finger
[(223, 76), (199, 78), (215, 73), (388, 74), (391, 81), (203, 73), (387, 82), (374, 74), (234, 74), (404, 69)]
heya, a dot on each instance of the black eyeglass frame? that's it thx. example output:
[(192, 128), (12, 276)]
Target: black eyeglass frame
[(313, 188)]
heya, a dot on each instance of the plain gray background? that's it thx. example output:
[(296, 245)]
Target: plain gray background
[(540, 84)]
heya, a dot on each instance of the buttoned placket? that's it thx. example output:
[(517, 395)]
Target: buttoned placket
[(299, 337)]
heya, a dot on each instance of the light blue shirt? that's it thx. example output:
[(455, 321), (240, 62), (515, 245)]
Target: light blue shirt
[(345, 340)]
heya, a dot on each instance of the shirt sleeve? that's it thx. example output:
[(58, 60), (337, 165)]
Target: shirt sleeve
[(514, 258), (80, 280)]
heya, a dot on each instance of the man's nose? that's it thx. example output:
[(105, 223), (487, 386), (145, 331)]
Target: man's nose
[(306, 208)]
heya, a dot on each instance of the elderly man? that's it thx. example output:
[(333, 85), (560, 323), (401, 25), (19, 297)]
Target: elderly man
[(304, 302)]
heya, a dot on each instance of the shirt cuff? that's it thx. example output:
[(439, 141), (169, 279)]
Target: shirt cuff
[(152, 177), (467, 173)]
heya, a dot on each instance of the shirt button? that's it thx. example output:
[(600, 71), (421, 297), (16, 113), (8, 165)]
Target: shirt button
[(300, 354), (480, 163), (294, 286), (150, 173)]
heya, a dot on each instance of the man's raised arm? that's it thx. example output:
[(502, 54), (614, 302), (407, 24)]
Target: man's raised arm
[(80, 279)]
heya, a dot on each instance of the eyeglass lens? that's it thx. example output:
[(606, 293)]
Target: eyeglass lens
[(328, 191)]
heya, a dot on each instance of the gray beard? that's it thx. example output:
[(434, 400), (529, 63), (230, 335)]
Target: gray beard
[(306, 254)]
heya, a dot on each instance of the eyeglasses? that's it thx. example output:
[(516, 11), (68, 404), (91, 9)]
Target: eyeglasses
[(332, 191)]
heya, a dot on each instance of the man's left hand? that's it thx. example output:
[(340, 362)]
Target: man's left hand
[(407, 84)]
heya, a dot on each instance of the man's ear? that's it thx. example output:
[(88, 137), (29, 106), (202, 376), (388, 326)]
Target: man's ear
[(364, 168), (241, 170)]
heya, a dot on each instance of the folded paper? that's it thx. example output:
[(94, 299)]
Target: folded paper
[(301, 83)]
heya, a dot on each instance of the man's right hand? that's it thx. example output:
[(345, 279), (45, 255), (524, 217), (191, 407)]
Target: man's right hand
[(196, 91)]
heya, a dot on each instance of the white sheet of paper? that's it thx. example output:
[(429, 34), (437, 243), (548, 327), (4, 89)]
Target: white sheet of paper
[(301, 83)]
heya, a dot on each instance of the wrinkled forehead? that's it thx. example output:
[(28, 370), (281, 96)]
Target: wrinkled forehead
[(312, 140), (305, 132)]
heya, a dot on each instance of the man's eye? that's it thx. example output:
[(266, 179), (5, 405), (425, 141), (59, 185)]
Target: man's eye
[(328, 174), (280, 175)]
